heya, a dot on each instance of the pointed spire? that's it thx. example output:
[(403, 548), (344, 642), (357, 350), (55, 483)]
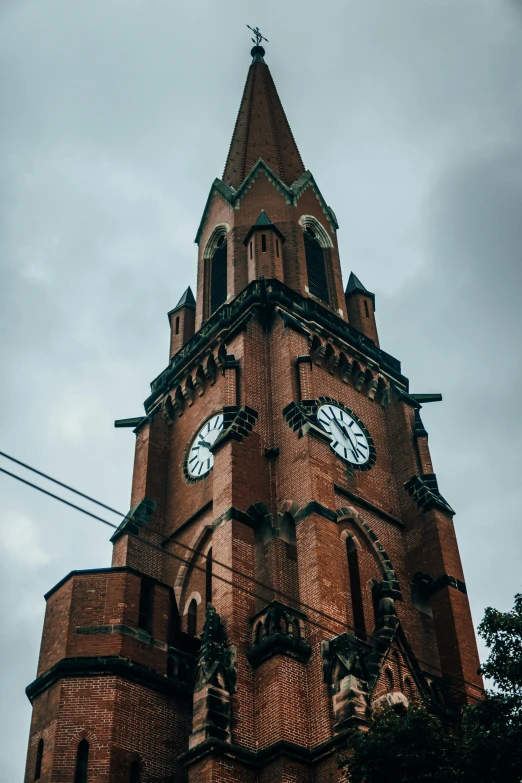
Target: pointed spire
[(263, 219), (187, 300), (262, 130), (355, 286)]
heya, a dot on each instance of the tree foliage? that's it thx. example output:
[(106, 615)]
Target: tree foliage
[(415, 745)]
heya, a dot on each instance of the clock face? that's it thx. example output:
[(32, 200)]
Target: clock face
[(348, 438), (200, 459)]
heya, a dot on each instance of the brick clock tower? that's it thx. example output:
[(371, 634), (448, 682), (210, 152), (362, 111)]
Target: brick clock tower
[(288, 563)]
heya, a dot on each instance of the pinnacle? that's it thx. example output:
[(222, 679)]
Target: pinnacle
[(263, 219), (187, 300), (262, 130), (355, 285)]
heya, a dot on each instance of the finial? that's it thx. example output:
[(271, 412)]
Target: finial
[(257, 51), (258, 37)]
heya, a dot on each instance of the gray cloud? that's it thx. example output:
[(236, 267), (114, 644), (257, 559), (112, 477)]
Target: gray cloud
[(116, 118)]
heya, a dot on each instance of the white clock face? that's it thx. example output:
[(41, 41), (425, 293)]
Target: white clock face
[(200, 459), (348, 439)]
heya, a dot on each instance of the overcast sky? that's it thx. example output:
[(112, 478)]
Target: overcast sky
[(117, 116)]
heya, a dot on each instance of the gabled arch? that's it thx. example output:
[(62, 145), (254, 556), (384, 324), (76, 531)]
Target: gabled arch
[(348, 512), (219, 231), (322, 236), (193, 551)]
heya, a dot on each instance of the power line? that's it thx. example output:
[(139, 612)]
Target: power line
[(56, 497), (59, 483), (234, 571)]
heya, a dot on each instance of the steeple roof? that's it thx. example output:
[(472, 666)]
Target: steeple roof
[(187, 300), (262, 130), (355, 285)]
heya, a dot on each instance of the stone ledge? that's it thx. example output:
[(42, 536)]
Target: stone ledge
[(266, 755), (108, 665)]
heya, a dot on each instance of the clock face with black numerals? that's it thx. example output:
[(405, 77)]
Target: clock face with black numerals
[(349, 439), (199, 458)]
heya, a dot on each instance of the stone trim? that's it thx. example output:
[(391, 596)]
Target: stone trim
[(268, 754), (302, 418), (447, 581), (110, 665), (110, 570), (268, 293), (424, 490), (274, 632), (375, 544), (291, 193), (238, 423), (368, 506), (138, 517)]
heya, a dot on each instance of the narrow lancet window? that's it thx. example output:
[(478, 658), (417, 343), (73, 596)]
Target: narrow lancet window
[(146, 605), (82, 762), (208, 578), (192, 618), (315, 266), (218, 276), (38, 764), (355, 588)]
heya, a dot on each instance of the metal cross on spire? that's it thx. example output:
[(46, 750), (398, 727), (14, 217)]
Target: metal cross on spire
[(258, 37)]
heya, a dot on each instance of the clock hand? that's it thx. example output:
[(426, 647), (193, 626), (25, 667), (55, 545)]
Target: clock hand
[(204, 443), (348, 437), (344, 431)]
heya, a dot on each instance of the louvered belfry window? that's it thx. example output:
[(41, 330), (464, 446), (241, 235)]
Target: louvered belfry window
[(315, 266), (218, 276)]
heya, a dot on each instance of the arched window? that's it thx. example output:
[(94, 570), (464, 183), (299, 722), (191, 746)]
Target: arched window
[(208, 578), (408, 688), (218, 275), (355, 588), (134, 776), (192, 618), (38, 763), (315, 265), (388, 676), (82, 762)]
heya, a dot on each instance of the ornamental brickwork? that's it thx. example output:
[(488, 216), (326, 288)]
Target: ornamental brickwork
[(269, 588)]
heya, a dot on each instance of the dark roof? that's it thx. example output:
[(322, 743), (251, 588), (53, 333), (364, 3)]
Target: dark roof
[(187, 300), (355, 285), (262, 130), (263, 219)]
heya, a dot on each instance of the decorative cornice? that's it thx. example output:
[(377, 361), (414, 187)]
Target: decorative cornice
[(264, 294), (111, 570), (291, 193), (425, 492), (265, 755), (345, 493), (110, 665), (137, 517)]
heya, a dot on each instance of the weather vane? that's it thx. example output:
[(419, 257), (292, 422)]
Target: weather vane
[(258, 37)]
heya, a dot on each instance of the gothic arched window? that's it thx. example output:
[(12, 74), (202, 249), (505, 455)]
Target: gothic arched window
[(38, 763), (192, 618), (208, 578), (355, 588), (315, 265), (82, 762), (218, 275)]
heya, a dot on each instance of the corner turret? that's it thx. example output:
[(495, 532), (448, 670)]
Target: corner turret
[(360, 306), (182, 320)]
